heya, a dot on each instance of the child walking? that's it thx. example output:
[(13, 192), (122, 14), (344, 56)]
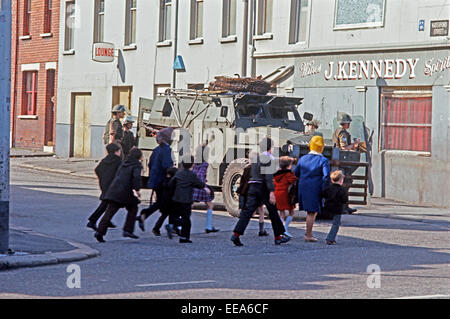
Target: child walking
[(200, 169), (282, 179), (242, 190), (123, 192), (184, 183), (336, 199), (166, 208), (105, 171)]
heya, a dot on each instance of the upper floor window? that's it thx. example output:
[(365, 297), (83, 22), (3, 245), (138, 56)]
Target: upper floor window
[(229, 18), (48, 16), (130, 22), (69, 26), (99, 20), (165, 14), (29, 93), (351, 14), (298, 22), (26, 17), (196, 19), (264, 17)]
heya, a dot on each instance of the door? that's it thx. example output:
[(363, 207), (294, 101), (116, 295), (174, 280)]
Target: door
[(50, 108), (82, 125), (122, 95)]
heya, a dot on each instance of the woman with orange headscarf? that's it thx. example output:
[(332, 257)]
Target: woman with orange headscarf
[(313, 171)]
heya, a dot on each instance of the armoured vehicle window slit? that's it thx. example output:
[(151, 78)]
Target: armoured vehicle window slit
[(282, 112), (251, 111)]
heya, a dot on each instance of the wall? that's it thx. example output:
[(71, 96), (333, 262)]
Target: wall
[(38, 48)]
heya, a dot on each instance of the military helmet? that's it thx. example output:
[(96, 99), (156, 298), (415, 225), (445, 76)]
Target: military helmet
[(129, 119), (118, 108), (344, 118), (314, 123)]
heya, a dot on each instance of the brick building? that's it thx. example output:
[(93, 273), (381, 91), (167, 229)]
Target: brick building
[(34, 67)]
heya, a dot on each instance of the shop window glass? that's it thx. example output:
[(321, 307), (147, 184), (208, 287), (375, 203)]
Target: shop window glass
[(406, 124)]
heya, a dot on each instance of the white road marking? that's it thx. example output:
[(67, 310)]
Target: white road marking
[(176, 283), (424, 297)]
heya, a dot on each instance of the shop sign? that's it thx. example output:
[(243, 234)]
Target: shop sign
[(436, 65), (103, 52), (371, 69), (438, 28), (381, 69)]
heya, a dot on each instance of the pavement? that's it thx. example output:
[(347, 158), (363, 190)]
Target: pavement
[(34, 249), (30, 249)]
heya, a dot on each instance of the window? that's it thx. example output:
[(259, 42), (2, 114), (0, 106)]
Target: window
[(99, 20), (282, 112), (70, 26), (48, 16), (29, 93), (165, 14), (298, 23), (196, 19), (229, 18), (26, 17), (352, 14), (406, 121), (264, 17), (130, 20)]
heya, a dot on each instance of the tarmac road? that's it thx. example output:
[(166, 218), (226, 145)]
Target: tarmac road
[(412, 256)]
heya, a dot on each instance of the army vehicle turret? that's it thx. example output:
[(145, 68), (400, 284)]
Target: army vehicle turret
[(231, 124)]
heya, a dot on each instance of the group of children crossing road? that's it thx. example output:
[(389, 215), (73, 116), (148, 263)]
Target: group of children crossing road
[(264, 183)]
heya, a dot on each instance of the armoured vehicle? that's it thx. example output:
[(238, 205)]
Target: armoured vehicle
[(231, 124)]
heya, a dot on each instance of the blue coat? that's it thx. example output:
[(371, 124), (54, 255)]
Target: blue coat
[(313, 172), (160, 161)]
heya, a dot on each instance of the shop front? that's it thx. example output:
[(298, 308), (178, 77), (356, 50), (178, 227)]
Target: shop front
[(403, 98)]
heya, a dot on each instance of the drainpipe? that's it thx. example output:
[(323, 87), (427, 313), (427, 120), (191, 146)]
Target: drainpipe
[(244, 40), (175, 46), (251, 40), (14, 93)]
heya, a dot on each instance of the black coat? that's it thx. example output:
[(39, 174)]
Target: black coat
[(128, 142), (184, 182), (336, 197), (128, 177), (106, 171)]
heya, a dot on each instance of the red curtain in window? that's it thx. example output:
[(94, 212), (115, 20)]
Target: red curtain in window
[(407, 123), (29, 93)]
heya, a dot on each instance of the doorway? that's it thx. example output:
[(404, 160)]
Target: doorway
[(50, 108), (122, 95), (81, 124)]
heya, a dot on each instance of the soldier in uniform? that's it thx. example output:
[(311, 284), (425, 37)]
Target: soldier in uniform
[(343, 140), (313, 125), (128, 140), (114, 126)]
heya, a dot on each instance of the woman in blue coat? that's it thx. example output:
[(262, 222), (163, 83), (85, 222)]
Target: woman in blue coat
[(313, 171)]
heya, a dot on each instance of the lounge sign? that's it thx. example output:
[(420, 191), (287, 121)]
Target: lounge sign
[(103, 52)]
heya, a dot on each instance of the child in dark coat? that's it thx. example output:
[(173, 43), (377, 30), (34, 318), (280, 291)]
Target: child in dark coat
[(105, 171), (166, 209), (184, 183), (124, 192), (336, 199)]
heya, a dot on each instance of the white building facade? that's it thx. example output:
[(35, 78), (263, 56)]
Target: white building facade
[(385, 62)]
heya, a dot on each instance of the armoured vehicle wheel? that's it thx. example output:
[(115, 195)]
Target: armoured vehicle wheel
[(230, 183)]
